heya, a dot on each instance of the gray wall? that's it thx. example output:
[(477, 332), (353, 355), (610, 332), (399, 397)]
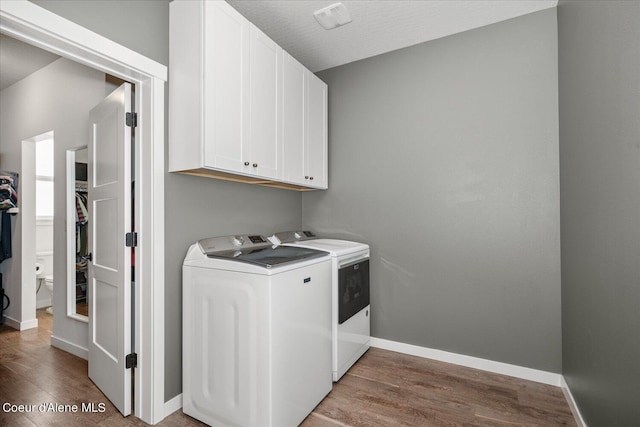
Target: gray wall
[(599, 74), (444, 158), (203, 207), (140, 25), (195, 207)]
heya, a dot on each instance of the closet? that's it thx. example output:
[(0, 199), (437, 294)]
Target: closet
[(82, 229)]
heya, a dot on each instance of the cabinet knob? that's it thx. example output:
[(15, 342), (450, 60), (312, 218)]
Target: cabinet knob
[(255, 165), (246, 163), (306, 177), (311, 178)]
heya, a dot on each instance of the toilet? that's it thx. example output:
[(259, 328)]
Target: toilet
[(44, 279), (48, 284)]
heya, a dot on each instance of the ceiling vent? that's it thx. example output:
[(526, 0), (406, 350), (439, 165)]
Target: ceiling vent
[(332, 16)]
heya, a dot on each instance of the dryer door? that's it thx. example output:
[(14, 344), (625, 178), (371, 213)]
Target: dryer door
[(353, 289)]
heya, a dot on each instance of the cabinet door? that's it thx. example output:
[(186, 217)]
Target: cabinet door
[(226, 82), (316, 140), (264, 156), (294, 82)]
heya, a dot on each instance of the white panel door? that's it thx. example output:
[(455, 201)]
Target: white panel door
[(293, 119), (265, 95), (226, 86), (110, 271), (316, 141)]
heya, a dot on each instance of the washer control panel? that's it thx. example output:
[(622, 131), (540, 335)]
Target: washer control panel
[(228, 243)]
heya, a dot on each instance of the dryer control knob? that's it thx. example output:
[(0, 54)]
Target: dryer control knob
[(238, 241), (297, 235)]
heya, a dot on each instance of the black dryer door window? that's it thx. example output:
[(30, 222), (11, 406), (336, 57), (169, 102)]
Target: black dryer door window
[(353, 289)]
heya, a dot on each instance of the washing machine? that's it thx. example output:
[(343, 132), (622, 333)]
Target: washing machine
[(256, 331), (350, 308)]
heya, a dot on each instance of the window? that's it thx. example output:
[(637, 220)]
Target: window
[(44, 179)]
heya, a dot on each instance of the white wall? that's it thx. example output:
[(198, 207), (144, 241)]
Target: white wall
[(57, 97), (44, 236)]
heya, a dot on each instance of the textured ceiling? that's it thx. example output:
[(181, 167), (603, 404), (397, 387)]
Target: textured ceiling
[(378, 26), (18, 60)]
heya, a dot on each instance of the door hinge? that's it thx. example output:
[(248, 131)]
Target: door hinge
[(131, 240), (131, 361), (132, 120)]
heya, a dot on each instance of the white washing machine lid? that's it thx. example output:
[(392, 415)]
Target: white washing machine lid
[(249, 253), (195, 258), (269, 257), (335, 247)]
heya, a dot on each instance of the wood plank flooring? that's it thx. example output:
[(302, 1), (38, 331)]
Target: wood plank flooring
[(82, 308), (386, 388), (383, 389)]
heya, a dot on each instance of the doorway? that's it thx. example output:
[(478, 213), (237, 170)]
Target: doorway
[(36, 219), (32, 24), (45, 195)]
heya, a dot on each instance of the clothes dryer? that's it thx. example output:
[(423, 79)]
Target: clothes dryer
[(350, 313)]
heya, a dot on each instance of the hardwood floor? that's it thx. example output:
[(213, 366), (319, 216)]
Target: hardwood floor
[(82, 308), (383, 389), (386, 388)]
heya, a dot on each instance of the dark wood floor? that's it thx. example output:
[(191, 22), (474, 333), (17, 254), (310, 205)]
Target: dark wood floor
[(383, 389)]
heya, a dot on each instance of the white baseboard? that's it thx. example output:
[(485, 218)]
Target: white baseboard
[(43, 303), (21, 326), (544, 377), (70, 347), (471, 362), (572, 404), (12, 323), (516, 371), (172, 405), (28, 324)]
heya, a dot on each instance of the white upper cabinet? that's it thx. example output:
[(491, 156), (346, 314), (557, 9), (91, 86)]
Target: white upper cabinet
[(265, 94), (294, 83), (226, 80), (304, 125), (241, 108), (315, 147)]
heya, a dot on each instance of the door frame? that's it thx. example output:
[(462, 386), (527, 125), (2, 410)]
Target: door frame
[(34, 25)]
